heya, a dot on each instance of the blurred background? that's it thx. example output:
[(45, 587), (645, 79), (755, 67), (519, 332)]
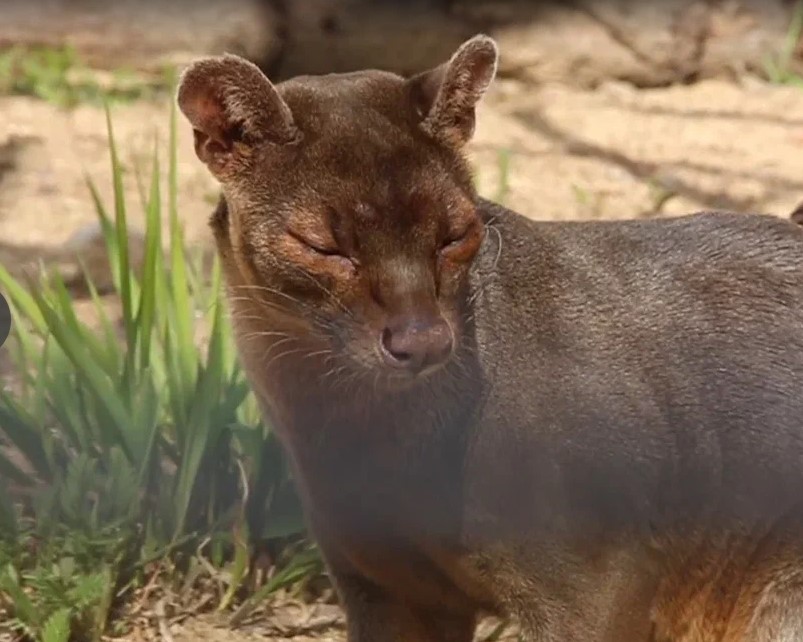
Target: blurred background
[(141, 497), (602, 109)]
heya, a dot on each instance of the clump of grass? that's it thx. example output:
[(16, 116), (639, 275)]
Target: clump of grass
[(132, 448), (779, 68), (57, 75)]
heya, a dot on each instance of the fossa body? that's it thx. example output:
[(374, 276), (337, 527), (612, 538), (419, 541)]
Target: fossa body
[(595, 427)]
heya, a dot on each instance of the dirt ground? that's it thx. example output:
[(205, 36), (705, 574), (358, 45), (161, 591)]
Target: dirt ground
[(612, 152), (566, 153), (286, 621)]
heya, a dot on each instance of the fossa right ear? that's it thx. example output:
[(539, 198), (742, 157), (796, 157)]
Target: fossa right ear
[(232, 107), (446, 97)]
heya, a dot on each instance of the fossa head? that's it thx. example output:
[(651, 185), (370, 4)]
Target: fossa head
[(350, 214)]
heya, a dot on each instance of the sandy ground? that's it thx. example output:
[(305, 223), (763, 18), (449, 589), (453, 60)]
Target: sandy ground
[(299, 623), (613, 152)]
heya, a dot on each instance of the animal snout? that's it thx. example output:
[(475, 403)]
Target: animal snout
[(417, 345)]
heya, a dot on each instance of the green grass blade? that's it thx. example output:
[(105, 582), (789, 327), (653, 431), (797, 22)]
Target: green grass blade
[(301, 566), (63, 403), (23, 434), (149, 422), (792, 36), (121, 229), (109, 234), (180, 293), (24, 608), (89, 371), (90, 340), (201, 431), (11, 472), (9, 528), (21, 299), (153, 246), (112, 344), (57, 626)]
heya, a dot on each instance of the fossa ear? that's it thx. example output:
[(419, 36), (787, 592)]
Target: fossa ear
[(232, 107), (446, 97)]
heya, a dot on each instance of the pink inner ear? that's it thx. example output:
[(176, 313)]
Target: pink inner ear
[(228, 99), (447, 95), (209, 118)]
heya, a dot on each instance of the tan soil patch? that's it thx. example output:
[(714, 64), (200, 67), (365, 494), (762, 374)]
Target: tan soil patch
[(611, 153), (715, 144)]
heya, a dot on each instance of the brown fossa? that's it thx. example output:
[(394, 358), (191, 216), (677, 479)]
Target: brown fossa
[(593, 427)]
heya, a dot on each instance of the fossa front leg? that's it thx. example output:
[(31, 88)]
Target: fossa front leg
[(375, 616)]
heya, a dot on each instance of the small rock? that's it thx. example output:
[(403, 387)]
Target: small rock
[(84, 254)]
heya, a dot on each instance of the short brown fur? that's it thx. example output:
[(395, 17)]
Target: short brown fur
[(594, 427)]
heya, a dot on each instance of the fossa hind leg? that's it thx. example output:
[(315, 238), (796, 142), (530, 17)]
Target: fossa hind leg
[(374, 616), (770, 605), (783, 623), (772, 612), (736, 589)]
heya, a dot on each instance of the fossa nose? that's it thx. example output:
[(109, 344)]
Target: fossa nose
[(417, 344)]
